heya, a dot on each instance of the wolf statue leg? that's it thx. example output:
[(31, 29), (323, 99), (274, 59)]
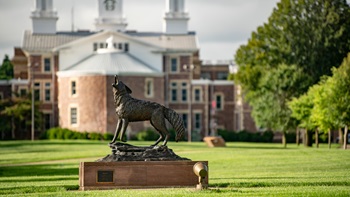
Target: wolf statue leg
[(125, 125), (158, 122), (117, 130)]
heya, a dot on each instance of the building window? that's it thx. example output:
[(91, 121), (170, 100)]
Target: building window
[(47, 91), (222, 75), (219, 101), (47, 121), (126, 47), (95, 47), (205, 75), (73, 116), (184, 91), (47, 65), (103, 45), (22, 92), (73, 88), (37, 91), (173, 65), (197, 95), (149, 88), (197, 121), (185, 119), (120, 46), (173, 90)]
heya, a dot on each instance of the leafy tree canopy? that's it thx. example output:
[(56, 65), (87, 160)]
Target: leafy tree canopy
[(6, 69), (312, 34)]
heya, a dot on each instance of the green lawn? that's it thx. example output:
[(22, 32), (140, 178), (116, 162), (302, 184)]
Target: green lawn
[(50, 168)]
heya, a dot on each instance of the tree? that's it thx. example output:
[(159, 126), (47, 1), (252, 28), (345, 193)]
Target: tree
[(6, 69), (340, 96), (16, 112), (313, 35), (322, 113), (270, 102), (301, 110)]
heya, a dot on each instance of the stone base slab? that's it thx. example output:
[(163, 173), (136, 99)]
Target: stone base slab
[(214, 141), (137, 174)]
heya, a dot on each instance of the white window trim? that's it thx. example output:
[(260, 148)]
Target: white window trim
[(179, 89), (194, 112), (177, 64), (149, 80), (194, 88), (43, 87), (70, 115), (76, 87), (43, 63), (222, 101)]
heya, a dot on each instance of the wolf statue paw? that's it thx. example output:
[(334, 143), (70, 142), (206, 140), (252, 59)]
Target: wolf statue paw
[(159, 147)]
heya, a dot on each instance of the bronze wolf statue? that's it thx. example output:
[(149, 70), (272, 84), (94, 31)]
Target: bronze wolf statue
[(129, 109)]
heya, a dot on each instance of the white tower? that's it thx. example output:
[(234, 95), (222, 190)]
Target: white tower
[(110, 16), (44, 17), (175, 18)]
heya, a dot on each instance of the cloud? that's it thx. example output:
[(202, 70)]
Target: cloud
[(220, 23)]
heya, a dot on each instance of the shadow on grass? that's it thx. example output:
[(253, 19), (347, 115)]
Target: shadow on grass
[(37, 189), (37, 170), (277, 184)]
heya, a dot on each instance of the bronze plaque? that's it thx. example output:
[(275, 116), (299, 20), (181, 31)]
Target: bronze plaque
[(105, 176)]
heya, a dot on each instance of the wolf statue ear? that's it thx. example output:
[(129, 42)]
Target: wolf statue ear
[(128, 90)]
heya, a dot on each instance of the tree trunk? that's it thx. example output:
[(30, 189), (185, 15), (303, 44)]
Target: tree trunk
[(345, 137), (13, 128), (284, 139), (298, 136), (308, 138), (340, 134), (316, 138), (329, 138)]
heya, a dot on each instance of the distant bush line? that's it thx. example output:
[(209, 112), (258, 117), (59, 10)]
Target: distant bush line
[(65, 134), (246, 136)]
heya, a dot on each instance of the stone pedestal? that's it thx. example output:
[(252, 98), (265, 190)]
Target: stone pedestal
[(214, 141), (137, 174), (138, 167)]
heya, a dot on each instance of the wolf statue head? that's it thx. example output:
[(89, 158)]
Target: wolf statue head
[(119, 87)]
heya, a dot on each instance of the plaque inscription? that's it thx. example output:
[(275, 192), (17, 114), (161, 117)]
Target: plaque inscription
[(105, 176)]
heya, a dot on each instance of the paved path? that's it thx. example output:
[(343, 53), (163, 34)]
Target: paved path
[(78, 160)]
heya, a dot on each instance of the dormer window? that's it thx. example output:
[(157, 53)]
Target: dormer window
[(117, 45)]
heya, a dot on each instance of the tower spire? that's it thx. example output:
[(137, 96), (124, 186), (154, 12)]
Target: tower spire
[(44, 17), (110, 14), (175, 18)]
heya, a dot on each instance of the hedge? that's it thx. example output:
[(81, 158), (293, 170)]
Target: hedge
[(65, 134)]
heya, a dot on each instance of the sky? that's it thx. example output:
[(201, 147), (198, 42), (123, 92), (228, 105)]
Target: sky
[(221, 25)]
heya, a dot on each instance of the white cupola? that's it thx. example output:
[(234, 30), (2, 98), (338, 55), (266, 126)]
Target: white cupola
[(175, 18), (110, 16), (44, 17)]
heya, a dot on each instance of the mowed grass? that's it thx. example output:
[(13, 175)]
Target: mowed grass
[(50, 168)]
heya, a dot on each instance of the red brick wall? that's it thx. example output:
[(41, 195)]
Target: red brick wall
[(90, 100)]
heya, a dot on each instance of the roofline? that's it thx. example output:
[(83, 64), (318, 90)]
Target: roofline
[(211, 82), (94, 73), (14, 81), (83, 39)]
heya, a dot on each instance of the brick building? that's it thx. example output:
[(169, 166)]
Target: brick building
[(71, 72)]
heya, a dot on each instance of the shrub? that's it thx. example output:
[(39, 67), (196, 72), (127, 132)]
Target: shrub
[(63, 133), (245, 136), (95, 136), (108, 136), (147, 135)]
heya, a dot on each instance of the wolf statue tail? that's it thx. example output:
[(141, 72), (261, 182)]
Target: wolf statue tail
[(176, 121)]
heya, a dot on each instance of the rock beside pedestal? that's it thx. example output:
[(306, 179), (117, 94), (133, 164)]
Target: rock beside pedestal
[(127, 152)]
